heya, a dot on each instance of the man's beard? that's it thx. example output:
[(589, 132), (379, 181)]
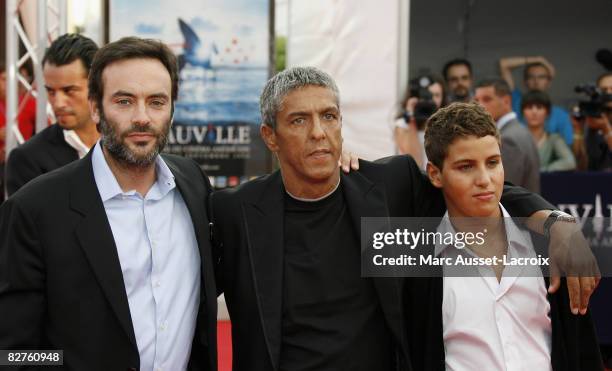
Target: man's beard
[(461, 93), (114, 143)]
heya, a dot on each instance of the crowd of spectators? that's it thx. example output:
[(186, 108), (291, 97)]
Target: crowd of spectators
[(536, 133)]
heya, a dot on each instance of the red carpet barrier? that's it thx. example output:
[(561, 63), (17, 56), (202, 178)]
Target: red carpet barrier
[(224, 345)]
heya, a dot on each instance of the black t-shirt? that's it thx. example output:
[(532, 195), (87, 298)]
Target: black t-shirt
[(332, 318)]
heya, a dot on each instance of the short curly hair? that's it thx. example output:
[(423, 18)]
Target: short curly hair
[(457, 120)]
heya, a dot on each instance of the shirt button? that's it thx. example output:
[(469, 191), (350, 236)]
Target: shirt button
[(163, 326), (157, 284)]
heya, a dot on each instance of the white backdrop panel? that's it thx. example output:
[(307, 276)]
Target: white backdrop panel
[(357, 43)]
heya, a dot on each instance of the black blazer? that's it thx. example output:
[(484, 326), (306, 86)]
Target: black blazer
[(248, 239), (249, 228), (44, 152), (574, 342), (61, 285)]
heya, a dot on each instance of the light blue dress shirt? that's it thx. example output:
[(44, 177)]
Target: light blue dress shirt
[(160, 261)]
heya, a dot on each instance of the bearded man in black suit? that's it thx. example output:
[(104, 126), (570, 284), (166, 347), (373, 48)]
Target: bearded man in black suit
[(109, 258)]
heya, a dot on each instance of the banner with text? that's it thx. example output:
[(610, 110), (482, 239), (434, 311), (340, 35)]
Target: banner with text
[(223, 56)]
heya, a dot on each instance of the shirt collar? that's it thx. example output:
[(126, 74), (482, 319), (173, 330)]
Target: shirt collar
[(107, 184), (516, 237), (314, 199), (74, 141), (505, 119)]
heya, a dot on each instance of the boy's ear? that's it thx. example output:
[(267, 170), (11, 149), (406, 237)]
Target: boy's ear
[(434, 175)]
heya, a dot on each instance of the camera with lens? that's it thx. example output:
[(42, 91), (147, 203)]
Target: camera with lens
[(595, 106), (425, 106)]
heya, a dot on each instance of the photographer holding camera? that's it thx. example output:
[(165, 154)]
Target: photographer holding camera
[(425, 95), (592, 126)]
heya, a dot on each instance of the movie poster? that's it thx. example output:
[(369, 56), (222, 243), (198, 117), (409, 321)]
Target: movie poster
[(223, 55)]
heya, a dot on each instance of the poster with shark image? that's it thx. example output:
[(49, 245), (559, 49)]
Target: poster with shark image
[(223, 55)]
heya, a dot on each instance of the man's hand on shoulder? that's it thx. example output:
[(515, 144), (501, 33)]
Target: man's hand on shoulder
[(348, 161)]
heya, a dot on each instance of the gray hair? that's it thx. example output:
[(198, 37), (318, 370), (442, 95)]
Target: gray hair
[(283, 83)]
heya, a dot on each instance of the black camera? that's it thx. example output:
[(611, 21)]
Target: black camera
[(595, 106), (425, 106)]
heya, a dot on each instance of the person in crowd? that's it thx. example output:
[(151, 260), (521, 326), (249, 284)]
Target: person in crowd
[(288, 242), (519, 152), (459, 78), (593, 145), (415, 112), (538, 74), (109, 257), (555, 154), (26, 117), (518, 325), (604, 83), (66, 64)]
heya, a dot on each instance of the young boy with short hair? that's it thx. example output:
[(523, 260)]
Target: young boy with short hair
[(501, 318)]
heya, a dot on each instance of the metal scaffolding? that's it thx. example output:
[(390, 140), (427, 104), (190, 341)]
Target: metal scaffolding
[(46, 10)]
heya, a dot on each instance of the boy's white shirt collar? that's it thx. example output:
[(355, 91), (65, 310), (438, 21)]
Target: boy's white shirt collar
[(514, 235)]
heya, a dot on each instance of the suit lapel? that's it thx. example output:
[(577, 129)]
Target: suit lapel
[(195, 201), (263, 219), (96, 238), (366, 199)]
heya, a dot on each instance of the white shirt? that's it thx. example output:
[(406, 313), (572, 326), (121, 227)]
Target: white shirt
[(73, 140), (421, 134), (491, 325), (160, 262), (505, 119)]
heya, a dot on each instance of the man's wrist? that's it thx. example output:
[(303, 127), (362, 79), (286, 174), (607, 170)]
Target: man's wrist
[(554, 218)]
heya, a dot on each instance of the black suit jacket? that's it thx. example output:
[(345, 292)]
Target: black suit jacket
[(248, 235), (574, 342), (61, 285), (249, 227), (44, 152)]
